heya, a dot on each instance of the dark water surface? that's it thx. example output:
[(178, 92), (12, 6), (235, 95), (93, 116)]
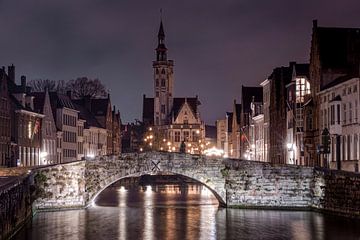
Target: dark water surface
[(181, 212)]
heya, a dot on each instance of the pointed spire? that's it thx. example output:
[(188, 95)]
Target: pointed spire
[(161, 49), (161, 34)]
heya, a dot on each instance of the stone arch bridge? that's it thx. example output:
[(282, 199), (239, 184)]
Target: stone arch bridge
[(234, 182)]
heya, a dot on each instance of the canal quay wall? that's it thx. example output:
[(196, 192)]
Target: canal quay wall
[(269, 186), (15, 204)]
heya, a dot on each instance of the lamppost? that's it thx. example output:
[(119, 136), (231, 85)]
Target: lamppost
[(325, 140)]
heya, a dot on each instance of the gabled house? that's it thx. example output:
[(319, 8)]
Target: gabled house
[(48, 131)]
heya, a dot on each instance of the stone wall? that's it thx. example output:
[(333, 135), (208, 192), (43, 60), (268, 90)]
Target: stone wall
[(235, 183), (337, 192), (15, 205), (60, 186), (264, 185)]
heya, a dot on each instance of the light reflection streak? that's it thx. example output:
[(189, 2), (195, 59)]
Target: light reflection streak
[(122, 195), (207, 216), (148, 213)]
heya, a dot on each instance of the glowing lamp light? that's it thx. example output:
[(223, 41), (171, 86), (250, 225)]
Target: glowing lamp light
[(288, 145), (141, 149), (252, 145), (168, 143), (197, 131), (43, 154), (214, 152), (91, 156)]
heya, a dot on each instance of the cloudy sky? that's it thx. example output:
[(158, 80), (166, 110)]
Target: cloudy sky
[(217, 45)]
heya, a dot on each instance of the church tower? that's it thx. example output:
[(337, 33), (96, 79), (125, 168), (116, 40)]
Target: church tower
[(163, 82)]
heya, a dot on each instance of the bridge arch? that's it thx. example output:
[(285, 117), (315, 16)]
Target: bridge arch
[(107, 182)]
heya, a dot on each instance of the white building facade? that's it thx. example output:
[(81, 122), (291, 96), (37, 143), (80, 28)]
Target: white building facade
[(339, 113)]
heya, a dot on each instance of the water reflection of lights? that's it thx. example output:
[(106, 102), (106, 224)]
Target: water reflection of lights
[(148, 189), (122, 195), (122, 189), (148, 214)]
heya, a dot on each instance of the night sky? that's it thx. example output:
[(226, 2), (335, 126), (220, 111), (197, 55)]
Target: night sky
[(217, 45)]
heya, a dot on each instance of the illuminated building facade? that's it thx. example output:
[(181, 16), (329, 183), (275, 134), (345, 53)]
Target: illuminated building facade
[(170, 121)]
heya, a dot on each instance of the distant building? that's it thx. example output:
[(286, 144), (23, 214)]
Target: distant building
[(298, 90), (101, 110), (256, 133), (92, 137), (26, 127), (249, 96), (221, 134), (116, 129), (280, 77), (7, 152), (340, 114), (335, 54), (210, 136), (266, 119), (170, 121), (48, 130), (236, 133), (66, 118)]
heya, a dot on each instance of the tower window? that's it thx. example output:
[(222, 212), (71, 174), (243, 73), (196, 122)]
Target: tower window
[(163, 82), (163, 71), (163, 108), (157, 71), (157, 82), (157, 94)]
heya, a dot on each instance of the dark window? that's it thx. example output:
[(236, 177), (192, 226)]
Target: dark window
[(163, 82), (338, 113), (157, 94), (163, 108), (157, 82), (177, 136), (163, 71)]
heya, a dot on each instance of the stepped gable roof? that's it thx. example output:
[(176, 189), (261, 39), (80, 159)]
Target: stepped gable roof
[(338, 47), (210, 131), (179, 102), (148, 110), (247, 94), (230, 119), (86, 115)]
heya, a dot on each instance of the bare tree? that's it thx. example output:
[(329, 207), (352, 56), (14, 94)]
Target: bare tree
[(39, 85), (86, 87)]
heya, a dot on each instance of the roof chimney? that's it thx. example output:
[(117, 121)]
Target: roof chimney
[(11, 72), (23, 83)]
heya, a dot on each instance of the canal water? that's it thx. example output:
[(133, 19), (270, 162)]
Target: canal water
[(180, 211)]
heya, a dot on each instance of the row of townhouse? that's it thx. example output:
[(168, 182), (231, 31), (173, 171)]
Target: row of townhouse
[(39, 128), (303, 114)]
